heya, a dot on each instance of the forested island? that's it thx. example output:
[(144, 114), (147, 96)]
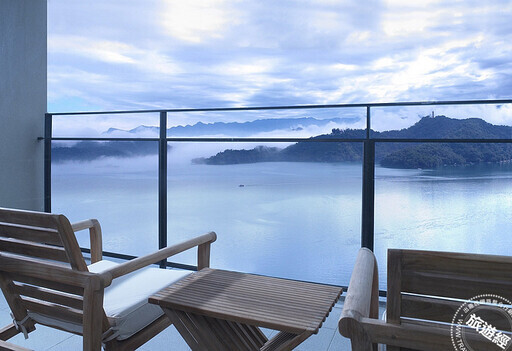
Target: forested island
[(393, 155)]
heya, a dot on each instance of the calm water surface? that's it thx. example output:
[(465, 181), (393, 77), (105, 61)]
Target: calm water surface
[(295, 220)]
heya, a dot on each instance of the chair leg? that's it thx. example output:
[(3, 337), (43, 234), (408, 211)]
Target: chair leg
[(362, 344), (92, 316)]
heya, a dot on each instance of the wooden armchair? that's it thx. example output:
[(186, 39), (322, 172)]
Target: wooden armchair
[(45, 280), (425, 291)]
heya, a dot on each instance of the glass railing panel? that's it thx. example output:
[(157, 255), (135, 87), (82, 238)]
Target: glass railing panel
[(98, 180), (127, 125), (445, 208), (283, 217), (287, 209), (286, 123)]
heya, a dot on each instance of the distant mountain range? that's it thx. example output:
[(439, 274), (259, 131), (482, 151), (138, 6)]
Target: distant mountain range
[(238, 129), (91, 150), (394, 155)]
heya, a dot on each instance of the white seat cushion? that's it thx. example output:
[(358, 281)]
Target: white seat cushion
[(126, 299)]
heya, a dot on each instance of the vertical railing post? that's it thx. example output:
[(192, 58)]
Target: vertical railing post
[(47, 162), (367, 227), (162, 185)]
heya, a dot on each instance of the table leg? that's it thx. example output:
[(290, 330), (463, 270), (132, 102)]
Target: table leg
[(186, 330), (284, 341), (205, 333)]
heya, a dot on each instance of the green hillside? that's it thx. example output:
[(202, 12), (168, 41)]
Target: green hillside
[(395, 155)]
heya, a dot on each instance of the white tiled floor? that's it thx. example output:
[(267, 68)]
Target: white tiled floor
[(44, 338)]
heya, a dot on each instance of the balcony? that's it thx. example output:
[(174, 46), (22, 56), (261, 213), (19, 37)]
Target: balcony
[(79, 190)]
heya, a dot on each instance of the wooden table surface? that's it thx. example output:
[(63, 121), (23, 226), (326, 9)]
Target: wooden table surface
[(285, 305)]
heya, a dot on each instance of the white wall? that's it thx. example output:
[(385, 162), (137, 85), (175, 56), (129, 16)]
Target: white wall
[(22, 102)]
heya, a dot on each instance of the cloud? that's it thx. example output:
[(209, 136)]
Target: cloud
[(198, 20), (215, 53), (97, 49)]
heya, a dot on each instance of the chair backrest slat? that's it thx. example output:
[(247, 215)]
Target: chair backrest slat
[(428, 308), (54, 310), (455, 275), (27, 218), (436, 309), (70, 289), (28, 248), (469, 266), (54, 296), (30, 233), (453, 285)]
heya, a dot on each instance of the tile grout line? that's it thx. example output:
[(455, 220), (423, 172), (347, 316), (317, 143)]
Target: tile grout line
[(51, 347), (330, 342)]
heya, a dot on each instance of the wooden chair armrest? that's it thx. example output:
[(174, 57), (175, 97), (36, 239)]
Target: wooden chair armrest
[(203, 243), (95, 236), (419, 335), (362, 299)]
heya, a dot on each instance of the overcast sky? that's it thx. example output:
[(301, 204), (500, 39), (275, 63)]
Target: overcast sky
[(134, 54)]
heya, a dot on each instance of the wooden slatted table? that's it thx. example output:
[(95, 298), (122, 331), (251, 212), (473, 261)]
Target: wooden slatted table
[(223, 310)]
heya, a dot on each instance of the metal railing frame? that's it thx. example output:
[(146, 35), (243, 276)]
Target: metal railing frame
[(368, 164)]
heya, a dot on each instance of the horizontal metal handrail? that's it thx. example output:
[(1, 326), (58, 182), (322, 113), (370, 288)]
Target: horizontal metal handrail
[(292, 107), (304, 140), (102, 139)]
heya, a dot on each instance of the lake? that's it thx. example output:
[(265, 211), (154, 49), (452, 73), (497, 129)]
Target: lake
[(286, 219)]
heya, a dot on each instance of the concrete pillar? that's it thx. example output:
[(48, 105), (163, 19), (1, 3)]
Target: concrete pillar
[(23, 89)]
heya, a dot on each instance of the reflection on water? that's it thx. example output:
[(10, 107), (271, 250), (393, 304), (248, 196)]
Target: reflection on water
[(296, 220)]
